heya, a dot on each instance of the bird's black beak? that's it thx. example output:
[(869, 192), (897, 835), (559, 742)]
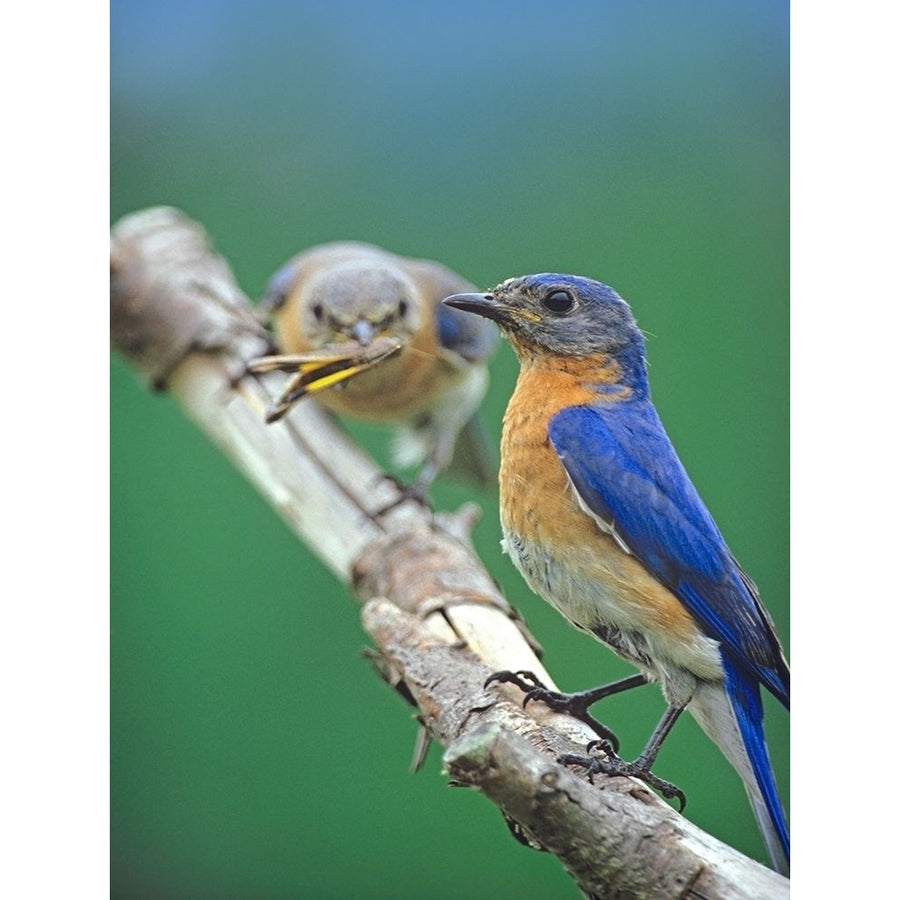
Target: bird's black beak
[(482, 304), (488, 306)]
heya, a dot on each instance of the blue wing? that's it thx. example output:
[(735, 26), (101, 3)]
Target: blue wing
[(624, 467), (472, 337), (278, 287)]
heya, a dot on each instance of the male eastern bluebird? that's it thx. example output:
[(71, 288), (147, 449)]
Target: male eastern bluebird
[(602, 521), (350, 293)]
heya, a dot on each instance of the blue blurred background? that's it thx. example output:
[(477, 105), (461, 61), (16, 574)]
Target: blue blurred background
[(253, 752)]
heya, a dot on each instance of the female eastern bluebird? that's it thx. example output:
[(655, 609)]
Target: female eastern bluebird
[(602, 521), (429, 390)]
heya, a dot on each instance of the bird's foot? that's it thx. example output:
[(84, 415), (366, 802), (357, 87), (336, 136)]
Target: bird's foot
[(415, 492), (613, 765), (575, 705)]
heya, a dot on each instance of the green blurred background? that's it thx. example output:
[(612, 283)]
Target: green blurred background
[(253, 751)]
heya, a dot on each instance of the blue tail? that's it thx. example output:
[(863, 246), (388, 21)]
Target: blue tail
[(746, 703)]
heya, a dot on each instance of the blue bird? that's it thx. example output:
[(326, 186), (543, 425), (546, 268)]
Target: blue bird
[(602, 520)]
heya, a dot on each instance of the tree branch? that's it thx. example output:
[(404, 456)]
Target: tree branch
[(436, 618)]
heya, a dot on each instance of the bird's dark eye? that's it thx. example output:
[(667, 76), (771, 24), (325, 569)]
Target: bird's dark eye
[(402, 308), (558, 301), (318, 312)]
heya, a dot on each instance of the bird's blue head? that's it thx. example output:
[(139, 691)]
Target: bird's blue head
[(563, 315)]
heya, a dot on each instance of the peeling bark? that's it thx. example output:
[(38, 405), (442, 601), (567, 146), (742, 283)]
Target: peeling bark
[(437, 620)]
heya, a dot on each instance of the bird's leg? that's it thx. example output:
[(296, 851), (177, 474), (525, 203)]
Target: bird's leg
[(576, 705), (640, 768), (417, 491)]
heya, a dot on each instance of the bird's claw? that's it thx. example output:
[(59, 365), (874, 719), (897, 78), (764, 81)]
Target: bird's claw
[(522, 679), (415, 492), (602, 745), (612, 765), (573, 704)]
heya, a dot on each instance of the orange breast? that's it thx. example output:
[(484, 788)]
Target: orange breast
[(538, 505)]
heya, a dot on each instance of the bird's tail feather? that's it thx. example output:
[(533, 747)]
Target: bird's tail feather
[(731, 715)]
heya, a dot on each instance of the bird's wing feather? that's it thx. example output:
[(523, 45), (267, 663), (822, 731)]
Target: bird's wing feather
[(624, 469), (472, 337), (278, 287)]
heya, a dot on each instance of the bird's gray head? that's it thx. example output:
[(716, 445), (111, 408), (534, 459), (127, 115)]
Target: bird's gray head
[(360, 300), (564, 315)]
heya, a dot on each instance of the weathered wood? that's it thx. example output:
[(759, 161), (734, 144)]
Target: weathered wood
[(437, 620)]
